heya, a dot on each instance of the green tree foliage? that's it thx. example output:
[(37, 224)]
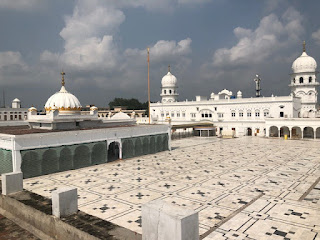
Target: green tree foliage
[(131, 104)]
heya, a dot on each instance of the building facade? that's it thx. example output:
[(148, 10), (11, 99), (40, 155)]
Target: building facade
[(260, 116)]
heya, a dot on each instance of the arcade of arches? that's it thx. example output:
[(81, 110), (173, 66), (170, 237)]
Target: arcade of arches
[(37, 162), (295, 132)]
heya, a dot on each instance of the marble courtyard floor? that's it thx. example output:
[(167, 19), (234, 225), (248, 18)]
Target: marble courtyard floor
[(244, 188)]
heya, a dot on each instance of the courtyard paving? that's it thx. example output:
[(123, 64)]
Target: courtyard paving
[(244, 188)]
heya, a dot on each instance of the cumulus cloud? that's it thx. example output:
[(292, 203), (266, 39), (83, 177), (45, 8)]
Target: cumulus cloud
[(316, 36), (90, 46), (21, 5), (256, 45), (9, 58)]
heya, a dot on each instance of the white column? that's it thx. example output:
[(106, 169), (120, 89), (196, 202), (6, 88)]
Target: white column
[(314, 133), (279, 133), (120, 149), (290, 129), (16, 161)]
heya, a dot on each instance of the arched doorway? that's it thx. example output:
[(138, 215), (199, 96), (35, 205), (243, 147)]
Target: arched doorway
[(31, 164), (113, 151), (273, 132), (98, 154), (249, 131), (318, 132), (308, 132), (81, 157), (50, 162), (284, 131), (296, 133)]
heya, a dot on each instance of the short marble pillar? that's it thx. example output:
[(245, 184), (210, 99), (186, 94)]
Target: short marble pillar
[(64, 201), (163, 221), (12, 182)]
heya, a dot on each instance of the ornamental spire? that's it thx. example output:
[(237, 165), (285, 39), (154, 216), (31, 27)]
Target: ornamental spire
[(169, 68), (304, 46), (62, 78)]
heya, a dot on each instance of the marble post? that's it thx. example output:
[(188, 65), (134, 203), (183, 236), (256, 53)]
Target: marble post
[(163, 221)]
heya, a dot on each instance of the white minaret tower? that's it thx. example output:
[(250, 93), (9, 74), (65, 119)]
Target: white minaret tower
[(304, 83), (169, 88)]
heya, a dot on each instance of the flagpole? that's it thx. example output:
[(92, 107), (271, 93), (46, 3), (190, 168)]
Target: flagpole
[(149, 84)]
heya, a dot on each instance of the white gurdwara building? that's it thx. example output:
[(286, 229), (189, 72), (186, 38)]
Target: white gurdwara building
[(295, 115)]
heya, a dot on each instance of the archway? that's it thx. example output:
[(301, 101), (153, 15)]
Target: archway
[(296, 133), (145, 145), (249, 131), (138, 147), (273, 132), (99, 153), (31, 166), (113, 151), (284, 131), (81, 157), (318, 132), (50, 162), (65, 159), (152, 144), (308, 132)]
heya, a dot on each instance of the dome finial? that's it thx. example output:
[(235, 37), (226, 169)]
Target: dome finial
[(169, 68), (62, 77), (304, 46)]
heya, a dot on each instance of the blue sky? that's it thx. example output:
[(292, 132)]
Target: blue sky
[(101, 45)]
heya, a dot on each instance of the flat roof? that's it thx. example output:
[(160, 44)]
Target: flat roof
[(22, 130)]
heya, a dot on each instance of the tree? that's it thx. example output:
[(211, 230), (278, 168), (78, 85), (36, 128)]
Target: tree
[(131, 104)]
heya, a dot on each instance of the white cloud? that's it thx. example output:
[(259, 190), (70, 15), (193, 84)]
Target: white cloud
[(22, 5), (316, 36), (10, 59), (256, 45)]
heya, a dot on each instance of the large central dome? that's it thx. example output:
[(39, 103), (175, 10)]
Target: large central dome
[(63, 101)]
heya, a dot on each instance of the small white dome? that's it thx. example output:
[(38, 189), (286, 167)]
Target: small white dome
[(64, 101), (93, 108), (16, 100), (120, 115), (304, 63), (169, 80), (32, 109)]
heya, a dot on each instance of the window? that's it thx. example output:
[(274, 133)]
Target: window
[(310, 79), (178, 114), (202, 115), (220, 115), (77, 124), (193, 115), (266, 113), (165, 91), (301, 80), (162, 114), (197, 109), (233, 114), (281, 114), (240, 114), (257, 114), (172, 114), (167, 114), (294, 80), (210, 115), (170, 91), (248, 114), (183, 114), (215, 108)]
